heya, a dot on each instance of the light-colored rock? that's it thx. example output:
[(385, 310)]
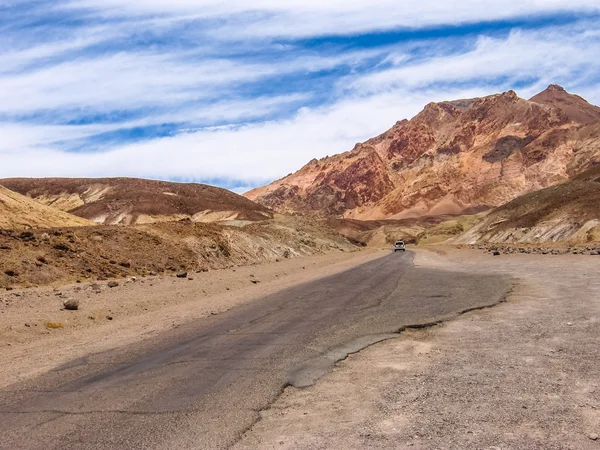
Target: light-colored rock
[(71, 304)]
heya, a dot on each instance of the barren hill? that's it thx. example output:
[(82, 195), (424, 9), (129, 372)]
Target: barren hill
[(566, 212), (129, 201), (18, 212), (63, 255), (452, 157)]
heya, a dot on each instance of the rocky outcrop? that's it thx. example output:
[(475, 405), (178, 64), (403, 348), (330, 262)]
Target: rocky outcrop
[(99, 253), (453, 157)]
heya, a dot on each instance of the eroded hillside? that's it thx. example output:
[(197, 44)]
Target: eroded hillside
[(128, 201), (62, 255), (568, 212), (20, 212), (450, 158)]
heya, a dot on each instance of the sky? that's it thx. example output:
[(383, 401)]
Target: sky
[(239, 93)]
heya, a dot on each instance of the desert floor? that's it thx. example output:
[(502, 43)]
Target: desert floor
[(523, 374)]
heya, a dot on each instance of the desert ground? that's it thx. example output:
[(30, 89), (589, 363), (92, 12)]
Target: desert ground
[(523, 374), (137, 308)]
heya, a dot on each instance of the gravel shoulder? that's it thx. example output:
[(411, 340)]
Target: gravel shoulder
[(523, 374), (109, 318)]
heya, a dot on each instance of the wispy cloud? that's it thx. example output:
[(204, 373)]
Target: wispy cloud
[(307, 18), (245, 92), (544, 55), (130, 80)]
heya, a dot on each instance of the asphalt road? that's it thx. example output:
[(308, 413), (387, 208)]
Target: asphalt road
[(202, 385)]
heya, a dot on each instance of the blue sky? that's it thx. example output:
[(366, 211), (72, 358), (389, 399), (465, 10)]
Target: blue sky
[(240, 93)]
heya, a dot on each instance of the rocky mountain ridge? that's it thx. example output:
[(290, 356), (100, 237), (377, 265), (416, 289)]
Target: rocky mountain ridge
[(451, 158)]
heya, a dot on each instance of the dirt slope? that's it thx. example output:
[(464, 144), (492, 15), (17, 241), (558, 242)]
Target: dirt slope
[(65, 255), (20, 212), (565, 212), (451, 157), (128, 201)]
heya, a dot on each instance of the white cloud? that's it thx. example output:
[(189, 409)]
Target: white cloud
[(20, 137), (303, 18), (550, 55), (130, 80), (18, 59), (120, 81), (17, 137)]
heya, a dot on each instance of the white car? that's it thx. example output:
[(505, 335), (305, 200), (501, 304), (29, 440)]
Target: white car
[(399, 246)]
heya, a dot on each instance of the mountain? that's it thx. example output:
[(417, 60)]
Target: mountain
[(573, 106), (18, 212), (569, 211), (453, 157), (130, 201)]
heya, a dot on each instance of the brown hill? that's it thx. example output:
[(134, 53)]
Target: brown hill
[(129, 201), (18, 212), (566, 212), (451, 157), (96, 253)]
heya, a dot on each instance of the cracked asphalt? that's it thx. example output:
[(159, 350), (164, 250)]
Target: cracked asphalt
[(203, 384)]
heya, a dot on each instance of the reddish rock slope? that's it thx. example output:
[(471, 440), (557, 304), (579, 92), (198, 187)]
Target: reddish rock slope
[(452, 157)]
